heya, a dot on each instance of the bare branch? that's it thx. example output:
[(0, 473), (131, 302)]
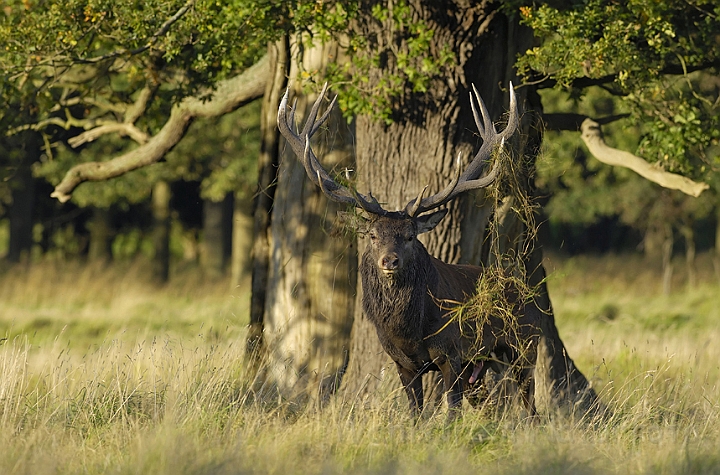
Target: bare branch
[(110, 128), (137, 109), (229, 95), (592, 136), (38, 126), (126, 127), (300, 143), (546, 82), (573, 122), (470, 178)]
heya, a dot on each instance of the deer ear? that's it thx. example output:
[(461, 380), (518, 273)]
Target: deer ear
[(428, 222)]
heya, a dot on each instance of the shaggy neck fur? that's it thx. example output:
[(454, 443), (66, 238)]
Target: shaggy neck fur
[(398, 305)]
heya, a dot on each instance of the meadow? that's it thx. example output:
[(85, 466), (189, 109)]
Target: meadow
[(103, 372)]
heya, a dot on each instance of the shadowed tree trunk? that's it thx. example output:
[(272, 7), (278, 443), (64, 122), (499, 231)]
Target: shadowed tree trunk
[(421, 145), (242, 226), (312, 273), (667, 252), (217, 235), (279, 59), (22, 185), (161, 231), (716, 249), (101, 233), (688, 233)]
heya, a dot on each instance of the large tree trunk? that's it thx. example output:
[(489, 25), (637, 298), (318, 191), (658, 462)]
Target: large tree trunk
[(430, 129), (242, 226), (312, 273)]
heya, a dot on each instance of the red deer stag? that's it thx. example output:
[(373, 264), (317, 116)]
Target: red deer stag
[(408, 294)]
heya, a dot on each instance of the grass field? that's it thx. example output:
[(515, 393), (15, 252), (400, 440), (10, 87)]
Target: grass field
[(102, 372)]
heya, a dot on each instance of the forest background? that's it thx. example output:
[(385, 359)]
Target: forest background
[(132, 298)]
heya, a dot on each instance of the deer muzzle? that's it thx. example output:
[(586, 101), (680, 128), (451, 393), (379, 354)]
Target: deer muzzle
[(389, 264)]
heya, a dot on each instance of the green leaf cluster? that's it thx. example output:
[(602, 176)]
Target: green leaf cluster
[(395, 40), (658, 56)]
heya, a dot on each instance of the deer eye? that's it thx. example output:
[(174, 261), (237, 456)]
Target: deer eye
[(373, 235)]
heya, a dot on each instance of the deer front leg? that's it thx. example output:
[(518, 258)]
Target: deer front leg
[(412, 382)]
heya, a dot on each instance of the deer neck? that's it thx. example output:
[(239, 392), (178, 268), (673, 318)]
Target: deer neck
[(398, 305)]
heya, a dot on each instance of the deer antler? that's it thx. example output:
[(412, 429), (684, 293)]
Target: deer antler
[(470, 178), (300, 143)]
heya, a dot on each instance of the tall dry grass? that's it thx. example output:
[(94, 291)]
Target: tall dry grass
[(168, 398)]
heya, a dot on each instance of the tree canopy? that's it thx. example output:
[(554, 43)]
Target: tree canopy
[(82, 69), (659, 58)]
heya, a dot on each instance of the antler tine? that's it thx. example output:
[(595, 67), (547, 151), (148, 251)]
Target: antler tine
[(291, 119), (514, 118), (470, 178), (318, 123), (412, 208), (487, 126), (300, 143), (491, 137)]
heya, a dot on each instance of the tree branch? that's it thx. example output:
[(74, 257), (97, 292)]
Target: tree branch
[(582, 82), (112, 127), (137, 109), (127, 127), (229, 95), (592, 136), (573, 122)]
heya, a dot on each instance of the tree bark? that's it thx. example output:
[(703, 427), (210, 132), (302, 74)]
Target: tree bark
[(312, 273), (279, 66)]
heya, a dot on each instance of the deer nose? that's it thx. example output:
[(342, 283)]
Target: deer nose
[(390, 262)]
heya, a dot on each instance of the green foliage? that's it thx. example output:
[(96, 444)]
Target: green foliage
[(221, 152), (84, 63), (583, 191), (650, 53), (205, 41), (390, 37)]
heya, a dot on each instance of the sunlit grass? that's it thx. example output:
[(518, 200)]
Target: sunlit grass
[(89, 303), (155, 391)]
